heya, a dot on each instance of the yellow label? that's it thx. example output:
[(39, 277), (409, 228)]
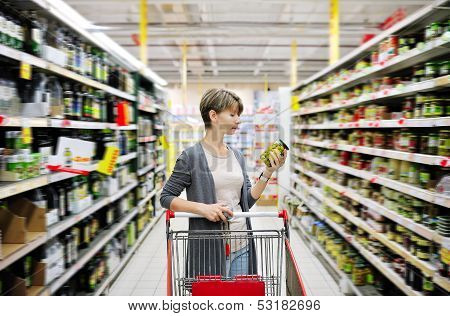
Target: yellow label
[(108, 164), (334, 31), (163, 142), (294, 103), (143, 21), (25, 71), (26, 135)]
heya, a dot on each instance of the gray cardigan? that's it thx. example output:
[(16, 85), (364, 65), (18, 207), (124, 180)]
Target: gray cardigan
[(191, 172)]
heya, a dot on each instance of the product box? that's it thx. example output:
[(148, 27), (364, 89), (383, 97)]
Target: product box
[(21, 222), (15, 286), (110, 186), (81, 205), (54, 55), (73, 153)]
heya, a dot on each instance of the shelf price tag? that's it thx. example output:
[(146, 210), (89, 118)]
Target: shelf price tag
[(26, 135), (25, 71), (108, 164)]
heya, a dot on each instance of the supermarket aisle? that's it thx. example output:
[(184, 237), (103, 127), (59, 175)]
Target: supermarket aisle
[(145, 274)]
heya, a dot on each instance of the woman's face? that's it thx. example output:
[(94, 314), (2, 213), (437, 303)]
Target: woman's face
[(227, 121)]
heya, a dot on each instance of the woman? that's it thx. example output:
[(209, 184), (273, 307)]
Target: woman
[(216, 181)]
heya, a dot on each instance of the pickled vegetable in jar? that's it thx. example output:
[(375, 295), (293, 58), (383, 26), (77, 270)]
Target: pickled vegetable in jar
[(404, 170), (279, 145), (437, 109), (444, 143), (433, 143), (359, 274), (413, 177)]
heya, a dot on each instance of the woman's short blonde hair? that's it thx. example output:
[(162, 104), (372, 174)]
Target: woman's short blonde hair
[(219, 100)]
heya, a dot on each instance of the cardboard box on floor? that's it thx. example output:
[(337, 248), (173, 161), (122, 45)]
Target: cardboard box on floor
[(21, 222)]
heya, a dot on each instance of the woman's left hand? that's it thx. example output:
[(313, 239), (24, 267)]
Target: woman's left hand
[(276, 161)]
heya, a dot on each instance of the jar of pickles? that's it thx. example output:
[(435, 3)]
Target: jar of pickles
[(359, 273), (444, 143)]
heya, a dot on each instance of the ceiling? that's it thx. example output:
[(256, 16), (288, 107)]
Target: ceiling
[(235, 41)]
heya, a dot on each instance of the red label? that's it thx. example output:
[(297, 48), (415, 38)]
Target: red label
[(353, 149), (377, 124), (65, 123), (386, 92), (356, 124), (373, 180), (2, 119), (401, 121), (370, 123), (340, 125), (444, 162)]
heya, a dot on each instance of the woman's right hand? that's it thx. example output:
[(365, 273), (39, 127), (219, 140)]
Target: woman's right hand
[(214, 212)]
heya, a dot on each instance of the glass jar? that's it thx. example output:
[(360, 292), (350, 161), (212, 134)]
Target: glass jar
[(433, 143), (444, 143), (359, 273)]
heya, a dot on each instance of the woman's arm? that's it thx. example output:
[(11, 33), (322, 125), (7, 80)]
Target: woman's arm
[(178, 181), (276, 162)]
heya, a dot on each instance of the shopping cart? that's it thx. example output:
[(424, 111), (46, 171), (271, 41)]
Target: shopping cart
[(198, 262)]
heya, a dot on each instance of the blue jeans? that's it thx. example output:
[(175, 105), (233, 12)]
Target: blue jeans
[(237, 263)]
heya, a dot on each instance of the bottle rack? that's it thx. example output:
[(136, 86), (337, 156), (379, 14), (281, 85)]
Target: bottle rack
[(311, 95), (143, 78)]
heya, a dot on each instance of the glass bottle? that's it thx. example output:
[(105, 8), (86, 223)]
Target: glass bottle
[(68, 101), (70, 52), (36, 30), (87, 61)]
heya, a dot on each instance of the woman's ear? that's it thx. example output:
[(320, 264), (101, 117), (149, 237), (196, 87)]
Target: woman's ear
[(213, 116)]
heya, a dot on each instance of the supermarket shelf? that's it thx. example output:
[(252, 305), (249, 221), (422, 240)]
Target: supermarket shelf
[(146, 199), (394, 216), (147, 139), (374, 260), (387, 153), (131, 127), (100, 242), (419, 15), (147, 109), (357, 290), (88, 125), (400, 250), (401, 123), (432, 49), (6, 261), (16, 121), (72, 220), (386, 94), (126, 158), (128, 256), (160, 107), (8, 189), (144, 170), (43, 64), (60, 176), (422, 194), (160, 168)]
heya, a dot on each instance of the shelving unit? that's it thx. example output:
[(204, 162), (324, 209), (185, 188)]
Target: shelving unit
[(57, 70), (11, 253), (113, 275), (374, 260), (323, 106)]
